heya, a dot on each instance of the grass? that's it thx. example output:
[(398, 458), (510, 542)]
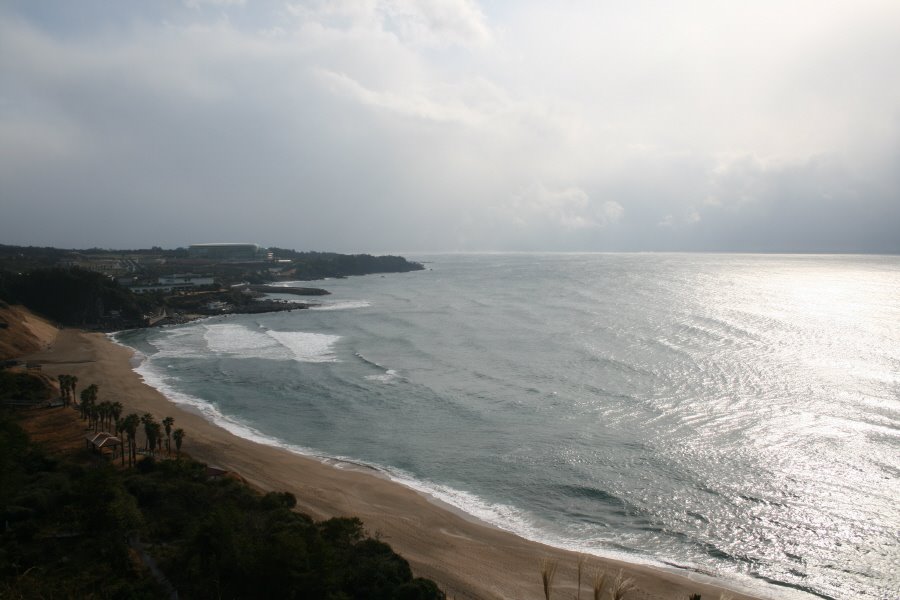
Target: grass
[(598, 581), (548, 572), (621, 586)]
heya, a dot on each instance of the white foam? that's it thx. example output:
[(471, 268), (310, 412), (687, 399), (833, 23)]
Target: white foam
[(508, 518), (307, 347), (156, 379), (502, 516), (388, 376), (182, 342), (344, 305), (241, 341)]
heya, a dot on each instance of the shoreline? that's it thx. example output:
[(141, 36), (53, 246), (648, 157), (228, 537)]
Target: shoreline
[(466, 556)]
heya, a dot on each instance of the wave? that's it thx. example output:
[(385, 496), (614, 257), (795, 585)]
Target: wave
[(342, 305), (307, 347), (369, 361), (157, 380), (387, 375), (240, 341), (501, 515)]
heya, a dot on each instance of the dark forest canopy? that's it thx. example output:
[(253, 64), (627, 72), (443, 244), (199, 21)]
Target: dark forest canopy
[(72, 527), (306, 265), (317, 265), (71, 296), (77, 287)]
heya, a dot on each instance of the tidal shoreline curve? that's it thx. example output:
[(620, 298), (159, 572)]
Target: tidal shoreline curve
[(466, 558)]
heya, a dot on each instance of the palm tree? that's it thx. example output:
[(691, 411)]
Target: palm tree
[(64, 388), (147, 420), (103, 413), (167, 423), (153, 436), (120, 426), (88, 398), (179, 437), (85, 401), (94, 416), (115, 410), (130, 425)]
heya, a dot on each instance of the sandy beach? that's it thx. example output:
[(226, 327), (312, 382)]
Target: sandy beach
[(466, 558)]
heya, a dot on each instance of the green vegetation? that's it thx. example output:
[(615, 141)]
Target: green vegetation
[(24, 388), (82, 528), (70, 296), (77, 288), (318, 265)]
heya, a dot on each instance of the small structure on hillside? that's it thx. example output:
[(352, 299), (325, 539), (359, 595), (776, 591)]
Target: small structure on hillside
[(215, 472), (104, 443)]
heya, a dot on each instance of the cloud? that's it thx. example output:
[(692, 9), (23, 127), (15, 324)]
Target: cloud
[(421, 23), (445, 125), (200, 3), (437, 22), (419, 103), (568, 208)]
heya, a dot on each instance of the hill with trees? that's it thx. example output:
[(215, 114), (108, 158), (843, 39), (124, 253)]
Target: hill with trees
[(72, 296), (78, 527)]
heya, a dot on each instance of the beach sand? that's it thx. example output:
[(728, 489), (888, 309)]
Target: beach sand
[(466, 558)]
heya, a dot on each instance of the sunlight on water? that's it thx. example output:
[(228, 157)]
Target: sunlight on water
[(737, 415)]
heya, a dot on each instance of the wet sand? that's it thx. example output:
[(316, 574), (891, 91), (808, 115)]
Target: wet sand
[(466, 558)]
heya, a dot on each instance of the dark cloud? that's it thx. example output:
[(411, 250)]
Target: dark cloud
[(441, 126)]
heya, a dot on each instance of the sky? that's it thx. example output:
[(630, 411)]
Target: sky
[(452, 125)]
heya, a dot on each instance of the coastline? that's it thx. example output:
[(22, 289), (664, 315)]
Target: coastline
[(467, 558)]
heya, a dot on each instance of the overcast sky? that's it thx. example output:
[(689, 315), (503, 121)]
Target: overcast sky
[(392, 125)]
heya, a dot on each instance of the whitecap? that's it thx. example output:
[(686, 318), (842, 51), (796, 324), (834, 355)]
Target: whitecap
[(307, 347), (388, 376), (342, 305), (241, 341), (178, 343)]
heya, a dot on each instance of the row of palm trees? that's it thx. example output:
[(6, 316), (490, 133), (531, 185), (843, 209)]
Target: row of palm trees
[(102, 415), (153, 435), (67, 388), (106, 415)]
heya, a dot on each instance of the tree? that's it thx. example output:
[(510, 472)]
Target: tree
[(147, 420), (64, 388), (152, 430), (88, 398), (94, 416), (179, 438), (130, 425), (67, 388), (116, 410), (85, 403), (167, 423), (120, 426), (103, 413)]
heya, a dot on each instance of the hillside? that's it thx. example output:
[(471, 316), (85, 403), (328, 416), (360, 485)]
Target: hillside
[(22, 332)]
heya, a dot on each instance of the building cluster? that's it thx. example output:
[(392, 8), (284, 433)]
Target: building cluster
[(147, 272), (168, 283), (229, 252)]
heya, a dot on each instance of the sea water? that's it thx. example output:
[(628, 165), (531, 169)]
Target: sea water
[(736, 415)]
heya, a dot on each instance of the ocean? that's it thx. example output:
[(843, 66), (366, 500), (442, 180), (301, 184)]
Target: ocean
[(736, 415)]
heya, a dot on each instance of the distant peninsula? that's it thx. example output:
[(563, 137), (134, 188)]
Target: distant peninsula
[(108, 290)]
